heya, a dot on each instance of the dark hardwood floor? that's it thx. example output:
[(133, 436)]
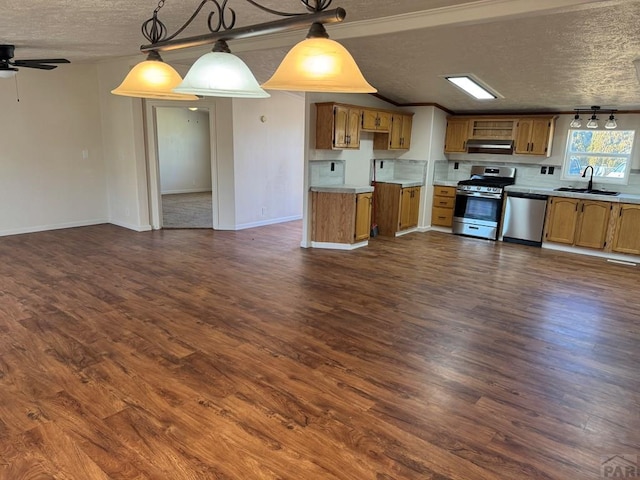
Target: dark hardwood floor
[(194, 354)]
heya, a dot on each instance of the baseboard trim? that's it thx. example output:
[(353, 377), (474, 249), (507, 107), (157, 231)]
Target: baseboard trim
[(339, 246), (264, 223), (58, 226), (131, 226)]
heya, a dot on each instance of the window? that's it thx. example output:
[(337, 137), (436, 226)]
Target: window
[(608, 152)]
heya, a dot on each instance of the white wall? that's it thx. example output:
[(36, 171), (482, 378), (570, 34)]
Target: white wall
[(52, 172), (268, 151), (124, 149), (184, 151)]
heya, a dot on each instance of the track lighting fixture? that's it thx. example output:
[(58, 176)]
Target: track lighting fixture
[(316, 64), (593, 120)]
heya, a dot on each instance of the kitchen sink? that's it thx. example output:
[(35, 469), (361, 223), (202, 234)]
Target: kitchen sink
[(586, 190), (571, 189)]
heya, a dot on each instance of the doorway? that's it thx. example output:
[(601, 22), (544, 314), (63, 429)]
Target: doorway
[(180, 165)]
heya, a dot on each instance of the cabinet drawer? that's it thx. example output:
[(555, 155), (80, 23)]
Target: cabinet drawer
[(442, 216), (444, 191), (444, 202)]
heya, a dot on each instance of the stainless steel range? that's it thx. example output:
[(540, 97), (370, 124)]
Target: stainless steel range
[(479, 201)]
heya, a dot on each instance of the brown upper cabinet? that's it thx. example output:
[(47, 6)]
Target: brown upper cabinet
[(492, 128), (399, 136), (455, 140), (534, 136), (531, 135), (337, 126), (375, 120)]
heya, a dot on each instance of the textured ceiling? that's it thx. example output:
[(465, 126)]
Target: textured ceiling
[(538, 54)]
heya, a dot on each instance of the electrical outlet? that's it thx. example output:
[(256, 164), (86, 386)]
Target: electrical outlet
[(543, 170), (333, 168), (456, 165), (550, 170), (381, 164)]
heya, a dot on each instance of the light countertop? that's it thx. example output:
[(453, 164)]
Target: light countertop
[(403, 182), (620, 198), (344, 188)]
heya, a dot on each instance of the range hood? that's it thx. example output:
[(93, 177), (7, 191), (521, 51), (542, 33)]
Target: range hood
[(500, 147)]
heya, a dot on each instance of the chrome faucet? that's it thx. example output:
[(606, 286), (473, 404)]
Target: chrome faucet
[(584, 174)]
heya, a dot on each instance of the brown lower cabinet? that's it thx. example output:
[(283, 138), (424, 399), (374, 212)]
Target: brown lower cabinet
[(583, 223), (396, 207), (444, 199), (626, 238), (340, 217)]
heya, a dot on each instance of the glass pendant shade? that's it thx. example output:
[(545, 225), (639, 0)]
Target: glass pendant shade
[(319, 65), (576, 122), (593, 122), (152, 79), (221, 74), (611, 123)]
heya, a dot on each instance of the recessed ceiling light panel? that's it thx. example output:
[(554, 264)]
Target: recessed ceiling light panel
[(472, 86)]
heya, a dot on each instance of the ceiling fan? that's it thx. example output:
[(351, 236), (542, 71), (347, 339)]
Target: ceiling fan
[(8, 67)]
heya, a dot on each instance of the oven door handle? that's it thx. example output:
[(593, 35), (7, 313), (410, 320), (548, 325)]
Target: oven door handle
[(480, 194)]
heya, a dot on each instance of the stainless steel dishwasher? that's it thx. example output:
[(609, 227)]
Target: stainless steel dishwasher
[(524, 218)]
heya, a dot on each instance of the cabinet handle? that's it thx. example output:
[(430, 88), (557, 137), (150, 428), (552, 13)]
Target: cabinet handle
[(532, 146)]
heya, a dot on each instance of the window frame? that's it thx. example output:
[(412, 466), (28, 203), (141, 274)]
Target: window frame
[(566, 164)]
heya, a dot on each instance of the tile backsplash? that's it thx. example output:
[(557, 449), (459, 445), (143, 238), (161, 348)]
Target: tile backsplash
[(393, 169), (527, 175), (327, 173)]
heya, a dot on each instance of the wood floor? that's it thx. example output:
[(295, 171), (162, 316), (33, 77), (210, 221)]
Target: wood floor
[(194, 354)]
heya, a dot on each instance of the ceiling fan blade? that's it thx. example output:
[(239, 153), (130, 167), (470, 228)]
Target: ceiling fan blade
[(24, 63), (40, 66)]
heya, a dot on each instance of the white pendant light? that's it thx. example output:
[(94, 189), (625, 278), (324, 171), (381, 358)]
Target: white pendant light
[(152, 79), (318, 64), (611, 123), (221, 74)]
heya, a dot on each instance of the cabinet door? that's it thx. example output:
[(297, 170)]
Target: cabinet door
[(404, 216), (627, 236), (369, 120), (455, 139), (375, 121), (592, 225), (340, 126), (540, 136), (532, 136), (562, 218), (395, 134), (523, 136), (384, 121), (353, 128), (405, 135), (415, 207), (363, 216)]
